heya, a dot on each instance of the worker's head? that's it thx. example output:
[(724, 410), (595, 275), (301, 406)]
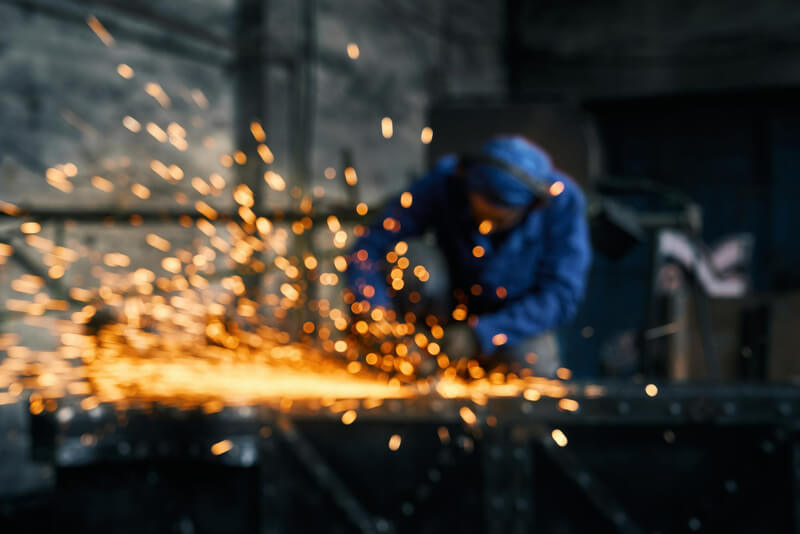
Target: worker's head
[(505, 179)]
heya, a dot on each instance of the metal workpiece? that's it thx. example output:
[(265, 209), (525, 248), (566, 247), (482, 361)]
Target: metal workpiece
[(69, 433), (496, 464)]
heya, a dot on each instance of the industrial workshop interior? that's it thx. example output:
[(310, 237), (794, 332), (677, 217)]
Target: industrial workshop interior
[(399, 266)]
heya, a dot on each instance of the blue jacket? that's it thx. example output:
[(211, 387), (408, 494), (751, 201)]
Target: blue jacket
[(542, 262)]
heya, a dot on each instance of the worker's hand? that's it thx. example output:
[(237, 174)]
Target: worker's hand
[(460, 341)]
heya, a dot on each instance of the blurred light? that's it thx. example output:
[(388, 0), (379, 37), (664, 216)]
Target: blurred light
[(651, 390), (258, 131), (274, 180), (30, 227), (499, 339), (563, 373), (140, 191), (221, 447), (125, 71), (387, 129), (350, 176), (349, 416), (102, 184), (266, 154), (467, 415), (406, 199), (156, 91), (100, 31), (559, 437), (352, 51), (199, 98), (394, 442), (426, 136), (568, 405), (557, 188)]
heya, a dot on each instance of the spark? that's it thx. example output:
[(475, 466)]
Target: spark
[(387, 128), (157, 92), (125, 71), (157, 133), (221, 447), (275, 180), (30, 227), (350, 176), (556, 188), (199, 98), (265, 154), (352, 51), (563, 373), (426, 136), (102, 184), (568, 405), (467, 415), (141, 191), (499, 339), (349, 416), (559, 437), (100, 31), (258, 132)]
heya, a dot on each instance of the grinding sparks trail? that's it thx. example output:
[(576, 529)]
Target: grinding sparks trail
[(189, 328)]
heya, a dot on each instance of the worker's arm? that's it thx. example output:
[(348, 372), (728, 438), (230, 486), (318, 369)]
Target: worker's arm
[(366, 278), (561, 279)]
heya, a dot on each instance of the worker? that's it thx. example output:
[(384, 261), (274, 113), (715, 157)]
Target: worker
[(513, 233)]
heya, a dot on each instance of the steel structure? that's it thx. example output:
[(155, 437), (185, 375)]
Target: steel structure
[(684, 460)]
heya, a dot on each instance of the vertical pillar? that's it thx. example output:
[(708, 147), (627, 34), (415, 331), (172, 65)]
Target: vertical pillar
[(250, 103)]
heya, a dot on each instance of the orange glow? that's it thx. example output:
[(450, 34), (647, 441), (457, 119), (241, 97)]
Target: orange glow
[(467, 415), (406, 199), (563, 373), (258, 132), (265, 154), (387, 128), (568, 405), (350, 176), (125, 71), (478, 251), (352, 51), (499, 339), (100, 31), (349, 416), (556, 188), (274, 180), (30, 227), (559, 437), (221, 447), (426, 136), (102, 184)]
